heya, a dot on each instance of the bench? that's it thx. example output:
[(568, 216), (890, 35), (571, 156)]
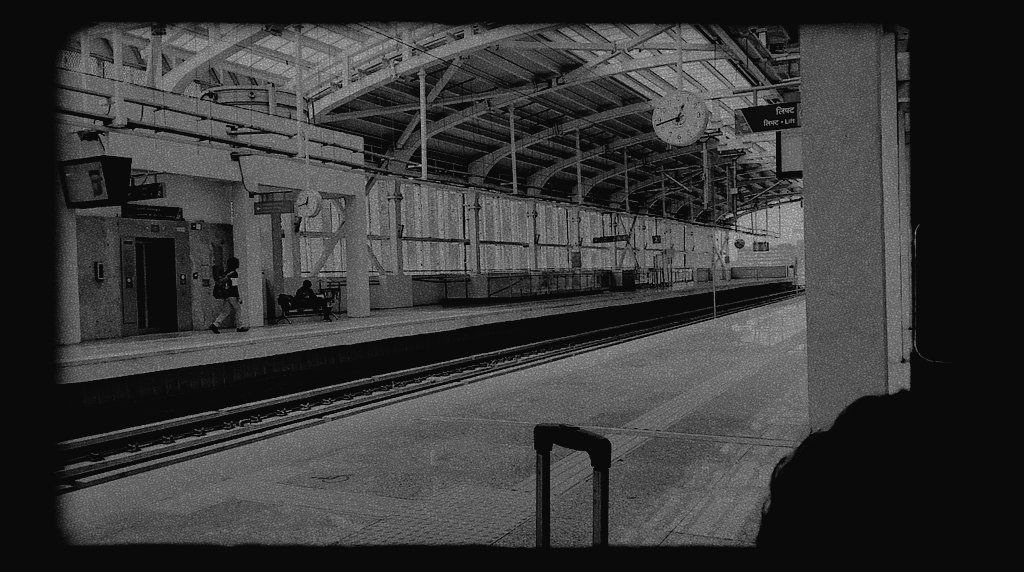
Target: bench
[(322, 305)]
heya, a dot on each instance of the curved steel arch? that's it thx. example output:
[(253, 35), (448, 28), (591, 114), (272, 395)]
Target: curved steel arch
[(575, 77), (482, 166), (330, 101), (176, 80), (540, 178), (589, 183)]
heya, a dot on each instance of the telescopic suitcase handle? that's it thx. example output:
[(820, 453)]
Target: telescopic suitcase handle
[(545, 435)]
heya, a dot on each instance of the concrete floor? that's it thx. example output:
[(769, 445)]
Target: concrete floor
[(697, 418)]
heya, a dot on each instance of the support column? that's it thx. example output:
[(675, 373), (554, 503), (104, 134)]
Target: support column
[(246, 231), (512, 142), (848, 95), (423, 124), (473, 230), (395, 200), (156, 63), (531, 229), (357, 257), (68, 325)]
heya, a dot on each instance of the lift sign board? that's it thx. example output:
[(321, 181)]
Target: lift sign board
[(772, 117)]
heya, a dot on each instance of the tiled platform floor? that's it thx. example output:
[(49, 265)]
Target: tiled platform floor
[(697, 418)]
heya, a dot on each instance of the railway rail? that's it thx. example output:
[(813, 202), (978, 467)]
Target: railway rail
[(92, 460)]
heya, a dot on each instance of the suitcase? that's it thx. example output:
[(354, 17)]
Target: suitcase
[(545, 435)]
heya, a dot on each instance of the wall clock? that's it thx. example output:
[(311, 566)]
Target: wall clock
[(680, 118), (308, 203)]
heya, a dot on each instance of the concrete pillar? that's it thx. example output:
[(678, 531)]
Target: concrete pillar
[(357, 257), (68, 325), (247, 229), (848, 95)]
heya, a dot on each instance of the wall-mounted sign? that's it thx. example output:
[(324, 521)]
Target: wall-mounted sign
[(760, 246), (611, 238), (151, 212), (656, 239), (575, 259), (739, 243), (145, 192), (772, 117), (273, 207)]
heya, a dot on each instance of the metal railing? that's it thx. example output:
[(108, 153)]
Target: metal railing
[(519, 284)]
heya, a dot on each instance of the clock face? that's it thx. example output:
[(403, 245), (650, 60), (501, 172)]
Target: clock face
[(308, 203), (680, 118)]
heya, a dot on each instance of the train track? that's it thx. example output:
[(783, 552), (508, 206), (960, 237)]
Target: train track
[(89, 461)]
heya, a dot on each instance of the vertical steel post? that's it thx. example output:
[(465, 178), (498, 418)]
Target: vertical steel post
[(423, 124), (512, 137), (544, 499), (600, 531)]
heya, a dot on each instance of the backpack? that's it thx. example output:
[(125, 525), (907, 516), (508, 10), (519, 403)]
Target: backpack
[(220, 290)]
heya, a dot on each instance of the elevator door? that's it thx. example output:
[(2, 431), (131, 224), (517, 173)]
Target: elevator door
[(155, 286)]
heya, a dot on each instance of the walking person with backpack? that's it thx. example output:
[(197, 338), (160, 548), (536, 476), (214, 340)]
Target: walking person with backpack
[(226, 288)]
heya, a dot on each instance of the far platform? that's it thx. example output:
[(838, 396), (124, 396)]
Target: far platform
[(113, 358)]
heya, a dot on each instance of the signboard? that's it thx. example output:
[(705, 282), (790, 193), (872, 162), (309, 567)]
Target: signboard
[(575, 259), (611, 238), (273, 207), (151, 212), (772, 117), (789, 161), (145, 192), (95, 181), (656, 239), (760, 246)]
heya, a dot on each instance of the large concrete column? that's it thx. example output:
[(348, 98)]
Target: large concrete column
[(68, 325), (247, 229), (357, 257), (848, 96)]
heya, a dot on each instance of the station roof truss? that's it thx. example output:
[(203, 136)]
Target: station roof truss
[(573, 96)]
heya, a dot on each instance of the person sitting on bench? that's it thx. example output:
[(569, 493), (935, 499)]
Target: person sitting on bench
[(305, 297)]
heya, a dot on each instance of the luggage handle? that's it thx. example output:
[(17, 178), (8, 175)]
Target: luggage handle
[(545, 435)]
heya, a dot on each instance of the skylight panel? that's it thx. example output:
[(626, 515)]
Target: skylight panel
[(183, 39), (610, 32), (573, 34), (314, 56), (261, 64), (692, 36), (669, 74), (278, 68), (707, 81), (730, 73), (645, 81), (272, 42)]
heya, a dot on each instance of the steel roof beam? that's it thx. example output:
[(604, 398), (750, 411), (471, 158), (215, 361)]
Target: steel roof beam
[(430, 59), (483, 165), (578, 76), (540, 178), (176, 79), (600, 46)]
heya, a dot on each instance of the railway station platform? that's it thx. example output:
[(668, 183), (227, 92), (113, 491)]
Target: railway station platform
[(122, 357), (697, 418)]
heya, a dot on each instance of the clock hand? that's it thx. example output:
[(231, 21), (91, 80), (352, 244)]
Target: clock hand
[(305, 202), (676, 118)]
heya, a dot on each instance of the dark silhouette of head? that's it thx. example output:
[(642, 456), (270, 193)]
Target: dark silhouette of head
[(232, 264), (307, 284), (851, 485)]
